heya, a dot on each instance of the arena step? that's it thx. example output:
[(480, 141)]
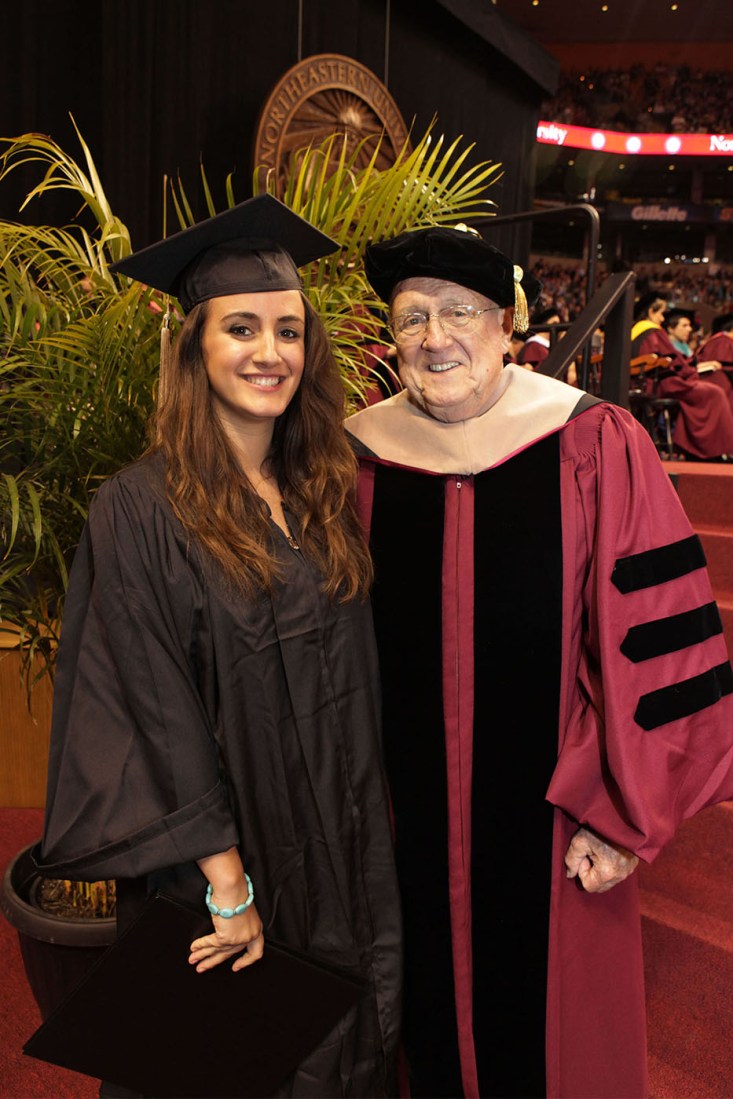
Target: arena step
[(706, 493)]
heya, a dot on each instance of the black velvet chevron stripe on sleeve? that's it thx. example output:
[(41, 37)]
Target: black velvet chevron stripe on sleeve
[(668, 635), (684, 698), (645, 570)]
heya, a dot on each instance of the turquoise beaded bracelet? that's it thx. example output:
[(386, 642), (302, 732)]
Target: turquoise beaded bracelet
[(227, 913)]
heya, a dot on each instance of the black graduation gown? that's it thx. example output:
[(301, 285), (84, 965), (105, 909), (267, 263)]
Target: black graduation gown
[(188, 719)]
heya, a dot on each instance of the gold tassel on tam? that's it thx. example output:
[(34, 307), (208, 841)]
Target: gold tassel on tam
[(521, 311), (165, 354)]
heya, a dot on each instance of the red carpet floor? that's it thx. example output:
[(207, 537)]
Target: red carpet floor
[(687, 901)]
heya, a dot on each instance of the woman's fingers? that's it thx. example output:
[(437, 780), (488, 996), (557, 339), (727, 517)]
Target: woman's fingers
[(209, 951), (254, 952)]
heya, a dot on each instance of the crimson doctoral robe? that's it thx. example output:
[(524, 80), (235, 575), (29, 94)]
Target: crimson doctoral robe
[(551, 656)]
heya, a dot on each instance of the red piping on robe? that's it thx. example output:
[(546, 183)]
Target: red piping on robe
[(458, 680)]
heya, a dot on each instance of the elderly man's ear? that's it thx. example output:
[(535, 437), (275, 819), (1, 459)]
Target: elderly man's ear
[(507, 327)]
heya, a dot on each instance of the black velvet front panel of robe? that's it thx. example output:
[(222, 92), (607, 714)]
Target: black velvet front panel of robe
[(517, 638), (517, 631)]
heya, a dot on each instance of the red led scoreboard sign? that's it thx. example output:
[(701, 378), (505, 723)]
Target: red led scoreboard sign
[(611, 141)]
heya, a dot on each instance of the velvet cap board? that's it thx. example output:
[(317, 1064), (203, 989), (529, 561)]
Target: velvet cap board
[(457, 255), (256, 246)]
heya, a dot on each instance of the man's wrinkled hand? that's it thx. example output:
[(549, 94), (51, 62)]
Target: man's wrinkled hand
[(597, 864)]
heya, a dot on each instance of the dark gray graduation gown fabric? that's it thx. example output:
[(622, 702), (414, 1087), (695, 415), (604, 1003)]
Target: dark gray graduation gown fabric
[(187, 719)]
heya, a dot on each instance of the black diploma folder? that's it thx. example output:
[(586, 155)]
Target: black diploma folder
[(142, 1018)]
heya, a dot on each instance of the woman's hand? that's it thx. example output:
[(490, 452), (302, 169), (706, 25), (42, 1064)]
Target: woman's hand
[(230, 937), (237, 935)]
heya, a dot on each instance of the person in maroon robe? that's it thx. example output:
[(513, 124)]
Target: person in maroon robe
[(556, 690), (704, 426), (537, 346), (720, 345), (679, 324)]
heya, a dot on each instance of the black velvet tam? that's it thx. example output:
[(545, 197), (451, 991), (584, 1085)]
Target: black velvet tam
[(454, 255), (722, 323), (256, 246)]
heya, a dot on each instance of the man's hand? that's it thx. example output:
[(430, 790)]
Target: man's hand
[(597, 865)]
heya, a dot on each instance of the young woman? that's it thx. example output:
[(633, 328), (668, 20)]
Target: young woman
[(215, 722)]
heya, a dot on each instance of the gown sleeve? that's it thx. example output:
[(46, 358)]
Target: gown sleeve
[(648, 739), (134, 776)]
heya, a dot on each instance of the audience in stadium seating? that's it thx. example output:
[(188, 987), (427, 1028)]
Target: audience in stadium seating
[(564, 285), (663, 99)]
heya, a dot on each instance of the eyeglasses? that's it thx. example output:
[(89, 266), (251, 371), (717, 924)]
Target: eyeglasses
[(411, 327)]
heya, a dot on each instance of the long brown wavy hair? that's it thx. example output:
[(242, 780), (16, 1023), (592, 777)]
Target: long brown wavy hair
[(313, 463)]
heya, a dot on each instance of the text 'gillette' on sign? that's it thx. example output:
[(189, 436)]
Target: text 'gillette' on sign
[(659, 213)]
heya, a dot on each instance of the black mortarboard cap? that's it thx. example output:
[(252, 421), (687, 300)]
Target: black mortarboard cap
[(676, 313), (722, 323), (453, 254), (256, 246), (644, 303), (542, 316)]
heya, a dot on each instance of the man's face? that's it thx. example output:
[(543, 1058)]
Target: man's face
[(681, 330), (452, 375)]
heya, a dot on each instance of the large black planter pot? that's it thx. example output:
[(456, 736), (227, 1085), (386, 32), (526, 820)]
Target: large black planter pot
[(56, 951)]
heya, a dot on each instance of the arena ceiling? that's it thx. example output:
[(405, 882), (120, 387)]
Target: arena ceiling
[(621, 20)]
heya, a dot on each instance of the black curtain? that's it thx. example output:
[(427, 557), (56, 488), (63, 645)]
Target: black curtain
[(162, 86)]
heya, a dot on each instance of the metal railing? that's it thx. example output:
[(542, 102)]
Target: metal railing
[(611, 306)]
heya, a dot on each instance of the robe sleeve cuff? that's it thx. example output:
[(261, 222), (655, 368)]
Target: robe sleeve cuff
[(201, 828)]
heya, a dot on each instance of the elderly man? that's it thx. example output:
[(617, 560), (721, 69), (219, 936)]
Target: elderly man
[(557, 694)]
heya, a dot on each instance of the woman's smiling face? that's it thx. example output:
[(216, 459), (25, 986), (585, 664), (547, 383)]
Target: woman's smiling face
[(254, 354)]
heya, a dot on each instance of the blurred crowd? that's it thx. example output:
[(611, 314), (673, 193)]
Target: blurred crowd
[(564, 286), (662, 98)]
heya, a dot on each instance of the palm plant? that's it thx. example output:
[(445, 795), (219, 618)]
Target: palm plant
[(79, 345)]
